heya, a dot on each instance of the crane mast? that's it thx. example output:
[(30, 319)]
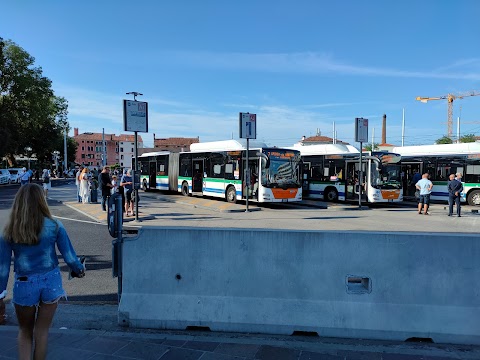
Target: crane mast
[(450, 98)]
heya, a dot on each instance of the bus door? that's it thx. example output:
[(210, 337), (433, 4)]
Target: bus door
[(152, 175), (305, 178), (408, 170), (197, 182), (252, 177), (352, 190)]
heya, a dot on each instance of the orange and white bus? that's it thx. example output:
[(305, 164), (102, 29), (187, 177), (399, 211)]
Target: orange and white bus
[(218, 169), (331, 173)]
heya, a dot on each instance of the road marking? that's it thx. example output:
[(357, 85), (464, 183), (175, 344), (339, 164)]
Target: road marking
[(82, 221)]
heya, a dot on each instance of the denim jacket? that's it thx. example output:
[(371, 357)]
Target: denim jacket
[(39, 258)]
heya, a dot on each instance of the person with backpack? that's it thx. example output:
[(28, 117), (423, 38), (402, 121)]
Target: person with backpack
[(25, 177)]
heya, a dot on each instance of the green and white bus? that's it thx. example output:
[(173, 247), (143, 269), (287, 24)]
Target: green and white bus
[(158, 170), (440, 161), (331, 173), (218, 169)]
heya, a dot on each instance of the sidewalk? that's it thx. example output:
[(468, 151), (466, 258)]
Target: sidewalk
[(90, 332)]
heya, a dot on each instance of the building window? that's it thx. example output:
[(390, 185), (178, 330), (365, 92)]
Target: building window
[(121, 149), (121, 157), (83, 148)]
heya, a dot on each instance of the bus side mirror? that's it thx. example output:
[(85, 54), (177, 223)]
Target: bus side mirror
[(265, 160)]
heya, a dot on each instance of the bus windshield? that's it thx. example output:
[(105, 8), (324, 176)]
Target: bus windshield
[(283, 170), (385, 176)]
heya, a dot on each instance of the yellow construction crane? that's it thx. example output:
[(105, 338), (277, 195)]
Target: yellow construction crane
[(449, 98)]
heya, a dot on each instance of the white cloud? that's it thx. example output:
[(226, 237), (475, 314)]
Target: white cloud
[(308, 62)]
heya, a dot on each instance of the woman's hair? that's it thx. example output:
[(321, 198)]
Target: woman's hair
[(29, 211)]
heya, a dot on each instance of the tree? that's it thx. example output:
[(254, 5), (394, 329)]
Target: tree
[(368, 147), (468, 138), (444, 140), (30, 114)]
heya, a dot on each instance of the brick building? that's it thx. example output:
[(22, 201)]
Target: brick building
[(174, 144), (119, 149)]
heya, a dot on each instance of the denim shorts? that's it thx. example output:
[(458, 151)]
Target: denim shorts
[(424, 199), (34, 289)]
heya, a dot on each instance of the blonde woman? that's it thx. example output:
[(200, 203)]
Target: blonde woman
[(84, 186), (31, 235)]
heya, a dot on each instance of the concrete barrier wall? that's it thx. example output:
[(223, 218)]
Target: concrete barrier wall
[(391, 286)]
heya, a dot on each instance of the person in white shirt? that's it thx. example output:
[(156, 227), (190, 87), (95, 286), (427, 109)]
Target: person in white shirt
[(77, 182)]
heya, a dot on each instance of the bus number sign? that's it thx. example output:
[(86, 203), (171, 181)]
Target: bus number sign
[(248, 126)]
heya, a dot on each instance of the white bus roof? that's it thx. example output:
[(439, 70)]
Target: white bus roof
[(155, 153), (439, 149), (227, 145), (325, 149)]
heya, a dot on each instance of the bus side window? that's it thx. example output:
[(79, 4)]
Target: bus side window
[(316, 172), (472, 173)]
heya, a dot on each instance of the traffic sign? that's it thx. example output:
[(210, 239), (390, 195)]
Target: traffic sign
[(248, 126)]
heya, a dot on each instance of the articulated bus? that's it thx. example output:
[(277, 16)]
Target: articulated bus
[(218, 169), (440, 161), (158, 170), (331, 173)]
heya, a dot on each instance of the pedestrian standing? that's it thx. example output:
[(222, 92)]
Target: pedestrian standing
[(127, 183), (32, 236), (25, 179), (77, 182), (424, 185), (114, 184), (46, 183), (455, 189), (84, 185), (106, 186)]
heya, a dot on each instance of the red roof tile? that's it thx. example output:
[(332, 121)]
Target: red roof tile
[(322, 139)]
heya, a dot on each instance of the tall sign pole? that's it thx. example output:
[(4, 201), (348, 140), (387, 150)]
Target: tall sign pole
[(361, 136), (248, 130), (135, 118), (65, 161)]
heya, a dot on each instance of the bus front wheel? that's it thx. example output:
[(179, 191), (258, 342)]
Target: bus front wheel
[(330, 194), (231, 195), (474, 198), (185, 189)]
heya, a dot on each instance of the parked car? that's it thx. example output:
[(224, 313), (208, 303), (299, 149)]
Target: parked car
[(4, 176), (15, 175)]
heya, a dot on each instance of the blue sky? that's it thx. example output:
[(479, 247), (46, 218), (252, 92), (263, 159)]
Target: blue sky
[(299, 65)]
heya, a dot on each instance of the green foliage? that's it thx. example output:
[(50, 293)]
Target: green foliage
[(468, 138), (444, 140), (30, 113), (368, 147)]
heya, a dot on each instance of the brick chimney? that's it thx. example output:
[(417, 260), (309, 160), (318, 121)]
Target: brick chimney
[(384, 129), (75, 131)]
